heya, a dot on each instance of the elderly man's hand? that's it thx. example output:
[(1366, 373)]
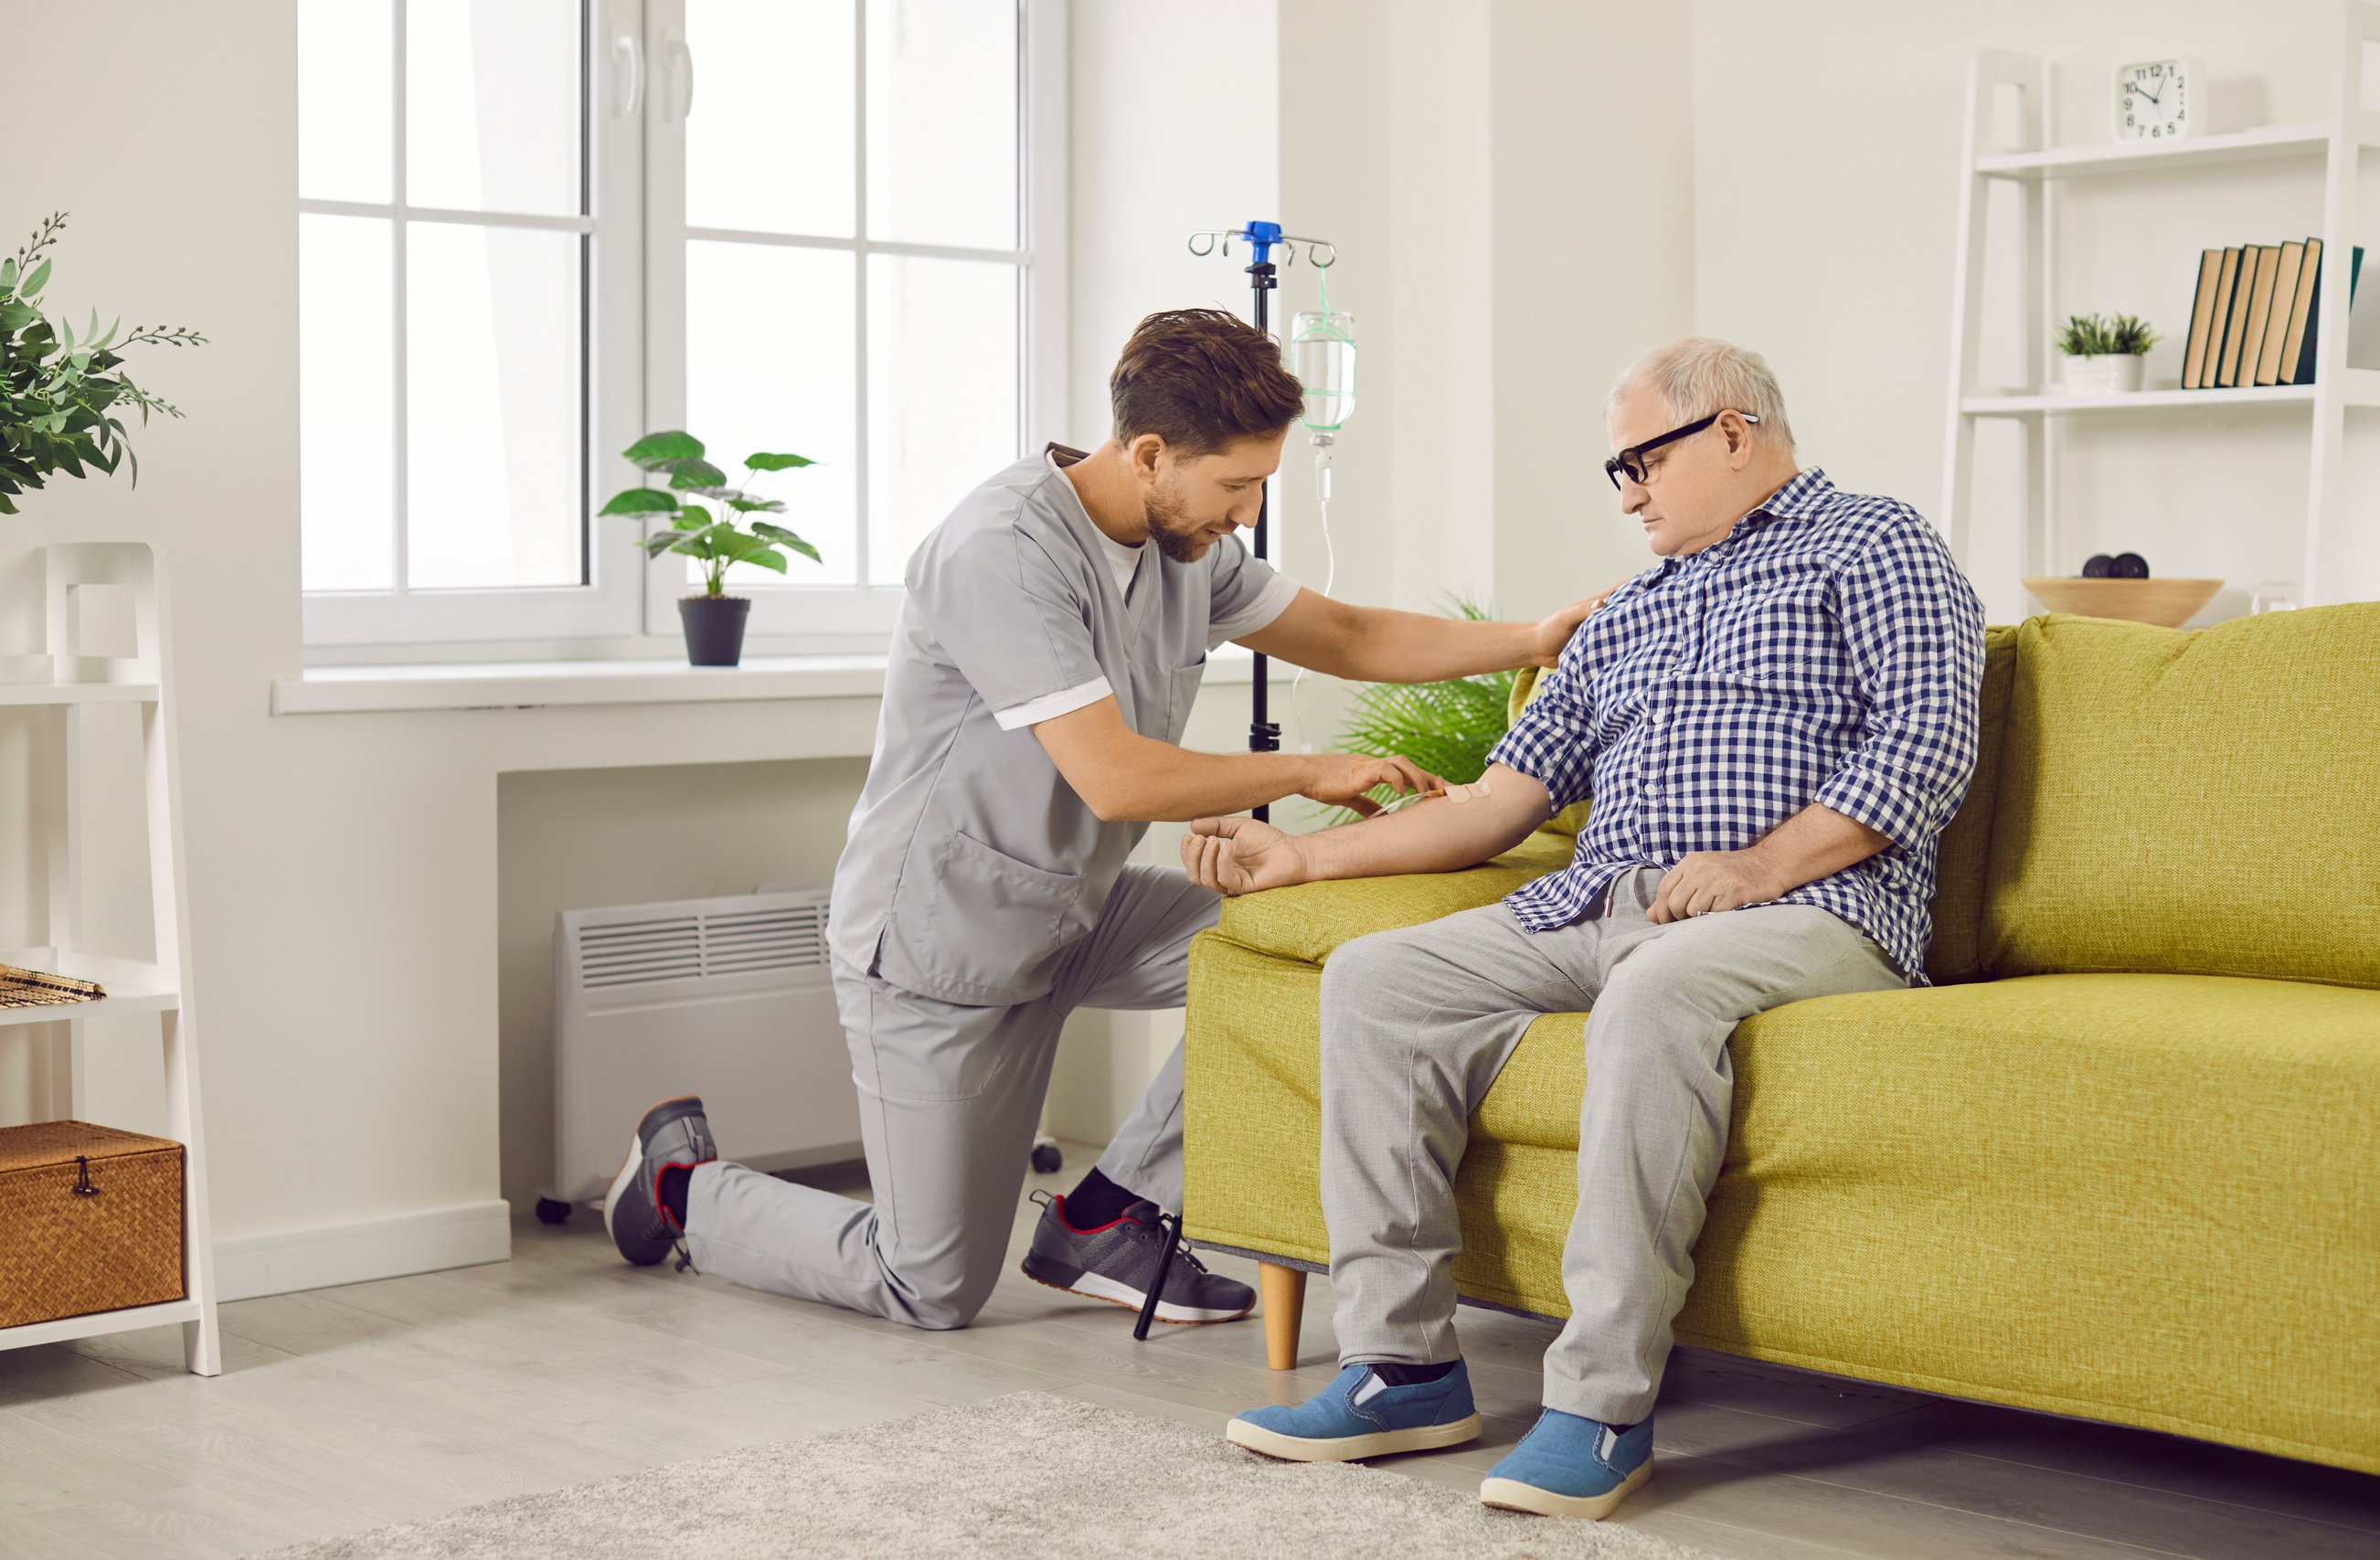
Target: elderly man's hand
[(1554, 631), (1707, 880), (1239, 856)]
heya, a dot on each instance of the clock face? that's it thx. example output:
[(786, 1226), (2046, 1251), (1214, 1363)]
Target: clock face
[(2154, 99)]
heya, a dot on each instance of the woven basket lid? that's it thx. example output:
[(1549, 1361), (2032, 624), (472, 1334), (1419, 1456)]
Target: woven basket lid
[(52, 1142)]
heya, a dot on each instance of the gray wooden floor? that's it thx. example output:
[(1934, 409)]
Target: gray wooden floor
[(344, 1408)]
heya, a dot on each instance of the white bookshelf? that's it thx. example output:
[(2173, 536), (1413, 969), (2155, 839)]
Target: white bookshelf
[(71, 681), (2336, 143)]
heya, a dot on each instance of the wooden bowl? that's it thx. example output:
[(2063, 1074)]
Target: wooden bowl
[(2168, 603)]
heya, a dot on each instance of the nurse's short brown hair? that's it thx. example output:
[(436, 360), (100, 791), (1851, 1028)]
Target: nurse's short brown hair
[(1200, 378)]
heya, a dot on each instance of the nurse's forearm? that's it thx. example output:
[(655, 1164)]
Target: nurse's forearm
[(1124, 777), (1394, 647), (1168, 784)]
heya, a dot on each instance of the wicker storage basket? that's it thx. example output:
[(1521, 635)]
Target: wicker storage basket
[(94, 1235)]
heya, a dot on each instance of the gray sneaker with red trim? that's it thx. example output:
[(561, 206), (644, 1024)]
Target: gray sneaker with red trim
[(1117, 1262), (673, 1133)]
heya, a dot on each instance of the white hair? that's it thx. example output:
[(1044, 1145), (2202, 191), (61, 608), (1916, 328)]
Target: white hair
[(1699, 375)]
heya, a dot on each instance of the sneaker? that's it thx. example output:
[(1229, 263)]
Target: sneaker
[(673, 1133), (1360, 1415), (1567, 1466), (1117, 1261)]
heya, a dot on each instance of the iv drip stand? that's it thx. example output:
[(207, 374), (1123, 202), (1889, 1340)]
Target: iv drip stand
[(1263, 733)]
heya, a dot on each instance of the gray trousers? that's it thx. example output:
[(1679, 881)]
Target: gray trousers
[(949, 1098), (1417, 1023)]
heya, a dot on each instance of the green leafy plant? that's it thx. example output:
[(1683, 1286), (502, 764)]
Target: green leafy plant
[(694, 531), (2123, 335), (1446, 728), (56, 392)]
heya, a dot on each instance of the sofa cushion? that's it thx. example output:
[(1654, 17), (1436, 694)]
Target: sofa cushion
[(2192, 803), (1962, 858), (1310, 921)]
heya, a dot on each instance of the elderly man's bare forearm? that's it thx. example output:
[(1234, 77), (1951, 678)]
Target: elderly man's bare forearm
[(1238, 855), (1817, 842)]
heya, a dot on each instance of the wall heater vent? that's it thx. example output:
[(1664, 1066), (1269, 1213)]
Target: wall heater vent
[(729, 998)]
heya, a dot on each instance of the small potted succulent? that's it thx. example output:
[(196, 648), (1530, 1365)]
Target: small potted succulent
[(2103, 355), (713, 620)]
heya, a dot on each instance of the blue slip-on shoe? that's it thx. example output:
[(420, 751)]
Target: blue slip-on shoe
[(1359, 1415), (1567, 1466)]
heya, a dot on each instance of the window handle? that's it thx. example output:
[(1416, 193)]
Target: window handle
[(628, 65), (681, 66)]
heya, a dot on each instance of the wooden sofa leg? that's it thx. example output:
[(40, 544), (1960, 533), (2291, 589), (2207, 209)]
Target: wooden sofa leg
[(1283, 1289)]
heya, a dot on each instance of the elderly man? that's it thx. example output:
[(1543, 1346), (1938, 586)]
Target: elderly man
[(1775, 721)]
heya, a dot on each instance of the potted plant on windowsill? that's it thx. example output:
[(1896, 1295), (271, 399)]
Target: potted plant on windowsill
[(2102, 356), (713, 620)]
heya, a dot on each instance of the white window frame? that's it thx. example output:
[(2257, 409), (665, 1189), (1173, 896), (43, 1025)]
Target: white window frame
[(636, 51)]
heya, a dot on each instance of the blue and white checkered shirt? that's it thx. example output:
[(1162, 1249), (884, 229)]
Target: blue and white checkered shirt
[(1826, 649)]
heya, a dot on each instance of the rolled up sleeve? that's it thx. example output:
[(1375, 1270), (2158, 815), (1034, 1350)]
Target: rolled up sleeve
[(1553, 742), (1914, 629)]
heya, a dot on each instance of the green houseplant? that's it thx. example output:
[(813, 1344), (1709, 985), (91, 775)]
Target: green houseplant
[(2103, 355), (56, 392), (1446, 728), (713, 620)]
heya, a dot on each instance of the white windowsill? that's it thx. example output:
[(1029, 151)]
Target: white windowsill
[(331, 690)]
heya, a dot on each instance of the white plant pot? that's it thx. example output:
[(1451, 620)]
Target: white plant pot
[(2103, 373)]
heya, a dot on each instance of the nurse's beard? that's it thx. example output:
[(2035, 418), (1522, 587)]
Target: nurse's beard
[(1175, 536)]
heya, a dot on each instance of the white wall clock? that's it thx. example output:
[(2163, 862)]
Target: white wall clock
[(2158, 100)]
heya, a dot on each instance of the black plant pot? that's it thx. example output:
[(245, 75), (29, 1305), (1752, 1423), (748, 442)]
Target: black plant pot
[(714, 628)]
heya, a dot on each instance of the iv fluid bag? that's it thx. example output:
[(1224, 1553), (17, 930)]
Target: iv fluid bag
[(1322, 355)]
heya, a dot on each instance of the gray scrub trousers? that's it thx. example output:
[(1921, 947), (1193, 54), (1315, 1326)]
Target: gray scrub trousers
[(979, 900)]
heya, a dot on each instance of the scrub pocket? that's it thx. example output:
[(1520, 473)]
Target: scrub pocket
[(972, 924), (1181, 696)]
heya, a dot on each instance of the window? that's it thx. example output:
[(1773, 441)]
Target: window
[(526, 238)]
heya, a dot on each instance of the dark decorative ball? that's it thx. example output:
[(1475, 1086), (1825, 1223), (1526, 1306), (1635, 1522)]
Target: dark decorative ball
[(2099, 566), (2131, 566)]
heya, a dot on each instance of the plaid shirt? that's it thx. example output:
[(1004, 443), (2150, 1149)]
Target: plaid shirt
[(1826, 649)]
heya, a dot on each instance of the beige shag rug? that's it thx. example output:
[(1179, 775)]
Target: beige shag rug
[(1030, 1475)]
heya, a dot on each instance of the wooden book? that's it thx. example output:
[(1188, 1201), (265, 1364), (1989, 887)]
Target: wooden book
[(2276, 322), (2223, 342), (2201, 311), (2248, 333)]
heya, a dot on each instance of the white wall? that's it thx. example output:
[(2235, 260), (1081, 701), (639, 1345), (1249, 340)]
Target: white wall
[(1826, 139)]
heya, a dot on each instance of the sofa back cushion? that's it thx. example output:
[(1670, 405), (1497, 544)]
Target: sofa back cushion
[(1956, 953), (1963, 858), (2192, 803)]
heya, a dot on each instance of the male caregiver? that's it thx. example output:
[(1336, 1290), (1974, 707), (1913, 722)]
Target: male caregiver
[(1775, 721), (1041, 672)]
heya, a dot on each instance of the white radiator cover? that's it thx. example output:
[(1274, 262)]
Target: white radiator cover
[(728, 998)]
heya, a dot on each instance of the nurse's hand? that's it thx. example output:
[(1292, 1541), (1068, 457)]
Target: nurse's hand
[(1554, 631), (1341, 780), (1239, 856)]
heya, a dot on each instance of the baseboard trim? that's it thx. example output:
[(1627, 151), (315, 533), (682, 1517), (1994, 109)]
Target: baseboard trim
[(360, 1249)]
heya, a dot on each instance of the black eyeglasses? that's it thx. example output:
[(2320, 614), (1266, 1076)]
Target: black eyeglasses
[(1631, 461)]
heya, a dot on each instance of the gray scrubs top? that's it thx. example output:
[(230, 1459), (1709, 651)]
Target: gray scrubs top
[(971, 865)]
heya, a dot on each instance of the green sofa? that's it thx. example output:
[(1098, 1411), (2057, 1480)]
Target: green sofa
[(2122, 1162)]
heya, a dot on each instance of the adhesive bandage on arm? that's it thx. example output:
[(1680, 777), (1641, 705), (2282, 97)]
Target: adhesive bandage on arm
[(1461, 793)]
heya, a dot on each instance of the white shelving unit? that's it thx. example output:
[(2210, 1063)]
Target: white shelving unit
[(2037, 167), (78, 575)]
